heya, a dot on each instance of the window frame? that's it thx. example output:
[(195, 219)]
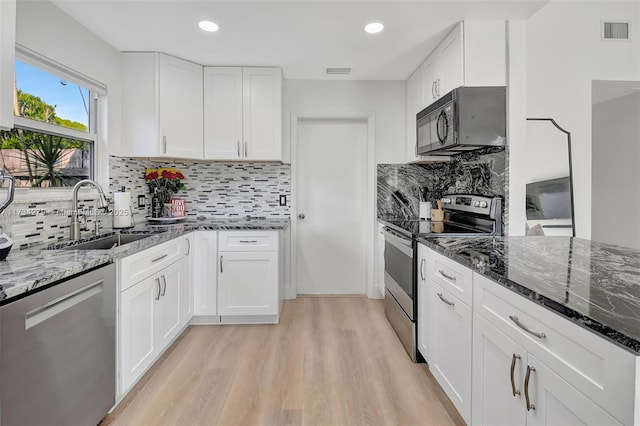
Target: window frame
[(97, 96)]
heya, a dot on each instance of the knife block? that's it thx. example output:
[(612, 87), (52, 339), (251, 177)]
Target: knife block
[(437, 215)]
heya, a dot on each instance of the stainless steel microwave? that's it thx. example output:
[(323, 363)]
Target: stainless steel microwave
[(465, 119)]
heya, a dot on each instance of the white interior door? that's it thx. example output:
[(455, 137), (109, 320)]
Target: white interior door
[(331, 196)]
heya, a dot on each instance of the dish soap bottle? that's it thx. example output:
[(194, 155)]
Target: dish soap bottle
[(156, 205)]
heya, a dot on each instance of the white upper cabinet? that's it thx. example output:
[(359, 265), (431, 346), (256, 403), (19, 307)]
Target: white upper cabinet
[(472, 54), (162, 106), (243, 114), (223, 113), (7, 59)]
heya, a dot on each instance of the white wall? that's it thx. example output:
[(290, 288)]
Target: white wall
[(564, 54), (47, 30), (387, 99), (616, 171)]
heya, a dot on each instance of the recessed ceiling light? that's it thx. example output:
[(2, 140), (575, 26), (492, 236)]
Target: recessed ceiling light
[(374, 27), (208, 26)]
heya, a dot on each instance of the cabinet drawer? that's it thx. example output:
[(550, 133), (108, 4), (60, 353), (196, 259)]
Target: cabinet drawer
[(248, 241), (602, 371), (452, 276), (140, 265)]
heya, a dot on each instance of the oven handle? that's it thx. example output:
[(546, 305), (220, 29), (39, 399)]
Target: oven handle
[(400, 242)]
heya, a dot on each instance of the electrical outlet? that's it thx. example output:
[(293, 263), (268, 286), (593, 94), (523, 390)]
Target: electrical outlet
[(283, 200), (142, 201)]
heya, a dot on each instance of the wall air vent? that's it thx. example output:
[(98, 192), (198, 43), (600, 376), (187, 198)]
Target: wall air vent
[(615, 30), (338, 70)]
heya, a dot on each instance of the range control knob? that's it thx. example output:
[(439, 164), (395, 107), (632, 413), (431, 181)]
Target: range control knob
[(476, 204), (446, 201), (482, 204)]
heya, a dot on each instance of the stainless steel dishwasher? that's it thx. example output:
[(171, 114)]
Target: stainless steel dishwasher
[(57, 353)]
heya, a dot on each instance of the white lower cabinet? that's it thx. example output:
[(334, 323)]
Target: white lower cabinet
[(423, 305), (512, 387), (248, 283), (151, 309), (249, 275), (449, 346), (205, 279)]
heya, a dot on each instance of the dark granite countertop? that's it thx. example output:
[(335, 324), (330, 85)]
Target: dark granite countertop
[(26, 271), (593, 284)]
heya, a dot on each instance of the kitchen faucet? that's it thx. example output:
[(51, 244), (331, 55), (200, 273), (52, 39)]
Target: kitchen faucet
[(74, 233)]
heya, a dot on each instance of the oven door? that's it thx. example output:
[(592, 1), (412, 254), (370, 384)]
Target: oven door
[(399, 270)]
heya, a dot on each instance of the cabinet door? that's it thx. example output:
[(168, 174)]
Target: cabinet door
[(205, 279), (414, 102), (449, 346), (223, 113), (7, 53), (451, 62), (187, 280), (137, 322), (430, 71), (262, 113), (180, 108), (248, 283), (423, 303), (555, 402), (493, 400), (168, 318)]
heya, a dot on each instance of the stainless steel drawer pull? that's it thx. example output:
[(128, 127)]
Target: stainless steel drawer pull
[(188, 246), (513, 367), (248, 241), (422, 262), (445, 300), (157, 259), (514, 318), (449, 277), (164, 288), (159, 288), (530, 406), (221, 257)]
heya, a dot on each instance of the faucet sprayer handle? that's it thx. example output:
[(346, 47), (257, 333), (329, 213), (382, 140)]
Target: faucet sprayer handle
[(10, 189)]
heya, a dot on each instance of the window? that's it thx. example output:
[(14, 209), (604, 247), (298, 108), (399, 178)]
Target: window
[(53, 140)]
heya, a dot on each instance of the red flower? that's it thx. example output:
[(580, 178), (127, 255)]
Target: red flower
[(166, 174), (151, 176), (180, 175)]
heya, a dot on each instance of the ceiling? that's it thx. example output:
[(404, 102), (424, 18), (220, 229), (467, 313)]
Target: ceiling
[(303, 37)]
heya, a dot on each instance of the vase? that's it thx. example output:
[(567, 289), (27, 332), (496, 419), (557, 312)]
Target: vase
[(165, 199)]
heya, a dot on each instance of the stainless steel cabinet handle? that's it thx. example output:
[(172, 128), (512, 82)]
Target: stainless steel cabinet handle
[(437, 87), (433, 89), (530, 406), (188, 247), (445, 300), (159, 288), (239, 154), (157, 259), (246, 149), (513, 367), (164, 144), (422, 262), (539, 335), (164, 288), (449, 277), (221, 271), (248, 241)]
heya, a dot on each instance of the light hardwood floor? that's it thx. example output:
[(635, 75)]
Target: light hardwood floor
[(330, 361)]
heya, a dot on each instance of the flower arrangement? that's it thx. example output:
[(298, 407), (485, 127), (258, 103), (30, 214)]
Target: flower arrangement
[(168, 181)]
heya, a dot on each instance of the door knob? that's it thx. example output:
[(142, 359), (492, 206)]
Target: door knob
[(301, 216)]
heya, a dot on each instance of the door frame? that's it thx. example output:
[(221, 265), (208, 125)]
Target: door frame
[(291, 291)]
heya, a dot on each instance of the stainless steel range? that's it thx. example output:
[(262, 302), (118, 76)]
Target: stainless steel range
[(465, 216)]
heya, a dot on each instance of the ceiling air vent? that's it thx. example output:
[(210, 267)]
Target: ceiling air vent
[(338, 70), (615, 30)]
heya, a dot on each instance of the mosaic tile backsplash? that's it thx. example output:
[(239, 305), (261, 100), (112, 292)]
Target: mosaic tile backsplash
[(481, 172), (214, 190)]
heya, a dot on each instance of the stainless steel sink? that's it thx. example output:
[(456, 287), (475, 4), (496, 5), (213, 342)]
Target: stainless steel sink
[(106, 243)]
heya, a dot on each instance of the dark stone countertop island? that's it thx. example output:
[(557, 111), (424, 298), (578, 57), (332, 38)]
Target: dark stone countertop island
[(593, 284)]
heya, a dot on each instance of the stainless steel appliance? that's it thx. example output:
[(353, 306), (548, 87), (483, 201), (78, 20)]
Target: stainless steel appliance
[(57, 353), (464, 119), (465, 216)]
